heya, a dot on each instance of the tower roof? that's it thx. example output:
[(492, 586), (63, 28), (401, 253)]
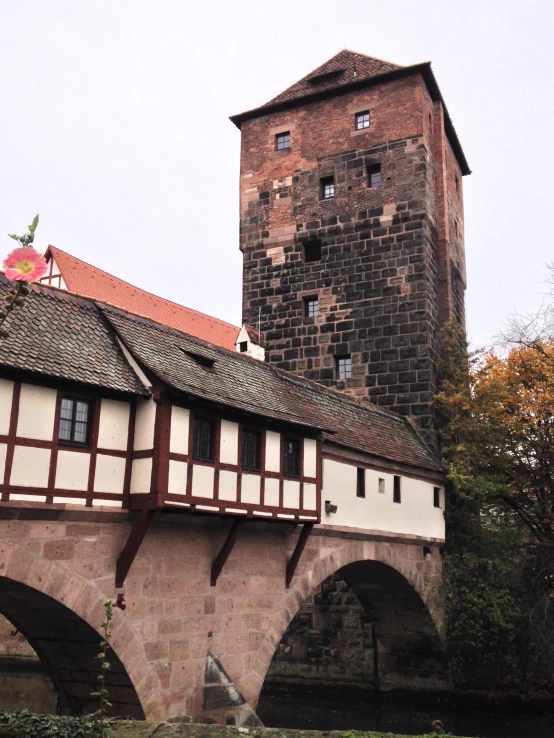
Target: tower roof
[(349, 70)]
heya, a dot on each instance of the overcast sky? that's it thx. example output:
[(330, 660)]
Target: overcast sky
[(114, 127)]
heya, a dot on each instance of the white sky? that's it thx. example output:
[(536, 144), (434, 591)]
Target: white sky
[(114, 127)]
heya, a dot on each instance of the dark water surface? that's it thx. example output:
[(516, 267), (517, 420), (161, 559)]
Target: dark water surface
[(343, 708)]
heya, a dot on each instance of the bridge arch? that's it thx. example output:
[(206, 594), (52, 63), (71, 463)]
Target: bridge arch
[(58, 613)]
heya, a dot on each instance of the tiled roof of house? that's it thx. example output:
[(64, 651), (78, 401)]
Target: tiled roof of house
[(57, 334), (89, 281)]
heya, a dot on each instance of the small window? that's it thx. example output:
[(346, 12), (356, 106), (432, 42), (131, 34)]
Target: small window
[(243, 346), (312, 251), (75, 421), (427, 550), (251, 443), (381, 486), (291, 457), (457, 183), (374, 175), (397, 494), (203, 441), (344, 367), (327, 188), (311, 307), (360, 483), (362, 120), (456, 227), (282, 141), (436, 496)]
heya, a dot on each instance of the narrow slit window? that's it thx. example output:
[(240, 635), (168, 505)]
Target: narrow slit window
[(75, 421), (282, 141), (203, 439), (381, 486), (397, 493), (251, 444), (344, 367), (374, 175), (311, 307), (312, 251), (291, 457), (360, 483), (327, 188), (362, 120), (436, 496)]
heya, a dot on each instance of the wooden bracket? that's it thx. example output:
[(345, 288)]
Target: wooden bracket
[(223, 555), (130, 550), (297, 553)]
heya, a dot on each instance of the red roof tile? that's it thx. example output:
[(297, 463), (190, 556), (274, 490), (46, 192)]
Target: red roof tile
[(89, 281)]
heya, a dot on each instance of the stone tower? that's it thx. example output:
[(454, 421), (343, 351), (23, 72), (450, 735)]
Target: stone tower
[(352, 229)]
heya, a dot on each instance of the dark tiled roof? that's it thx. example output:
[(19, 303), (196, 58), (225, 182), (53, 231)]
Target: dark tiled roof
[(62, 335), (255, 336), (343, 68), (243, 383)]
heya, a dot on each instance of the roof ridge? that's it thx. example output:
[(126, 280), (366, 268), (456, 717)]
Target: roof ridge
[(141, 289)]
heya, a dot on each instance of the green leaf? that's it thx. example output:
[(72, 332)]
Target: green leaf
[(12, 235), (34, 224)]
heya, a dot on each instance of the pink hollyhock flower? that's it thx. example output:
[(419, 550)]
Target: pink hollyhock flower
[(120, 602), (25, 265)]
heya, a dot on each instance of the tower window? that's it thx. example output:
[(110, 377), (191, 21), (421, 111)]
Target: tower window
[(362, 120), (291, 457), (397, 494), (344, 367), (75, 421), (311, 307), (360, 483), (327, 187), (251, 443), (457, 183), (312, 251), (282, 141), (203, 439), (436, 496), (374, 175)]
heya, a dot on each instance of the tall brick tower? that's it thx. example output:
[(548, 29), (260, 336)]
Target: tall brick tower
[(352, 229)]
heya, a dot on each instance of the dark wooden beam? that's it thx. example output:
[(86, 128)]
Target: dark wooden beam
[(130, 550), (297, 553), (223, 555)]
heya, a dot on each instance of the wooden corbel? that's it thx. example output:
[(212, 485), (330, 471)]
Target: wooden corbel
[(131, 547), (225, 552), (297, 553)]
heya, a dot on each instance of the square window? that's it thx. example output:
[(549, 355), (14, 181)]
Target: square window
[(436, 496), (381, 486), (203, 439), (312, 251), (282, 141), (327, 188), (374, 175), (291, 457), (362, 120), (251, 444), (311, 307), (75, 421), (360, 483), (344, 367), (243, 346), (397, 495)]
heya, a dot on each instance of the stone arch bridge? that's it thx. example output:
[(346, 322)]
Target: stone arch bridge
[(183, 647)]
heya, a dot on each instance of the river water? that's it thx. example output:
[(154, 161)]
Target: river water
[(346, 708)]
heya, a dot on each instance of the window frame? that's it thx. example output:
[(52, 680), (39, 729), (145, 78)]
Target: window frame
[(91, 404), (308, 301), (360, 482), (364, 117), (437, 497), (397, 489), (212, 440), (348, 370), (258, 434), (283, 135), (298, 457), (371, 170), (325, 183)]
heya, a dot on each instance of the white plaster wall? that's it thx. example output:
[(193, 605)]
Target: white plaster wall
[(414, 515), (141, 474), (70, 500), (29, 498), (229, 447), (37, 408), (202, 481), (144, 425), (30, 467), (310, 496), (179, 440), (6, 394), (291, 494), (177, 477), (310, 457), (72, 470), (114, 424), (107, 503), (3, 451), (250, 488), (271, 492), (272, 451), (109, 475), (228, 485)]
